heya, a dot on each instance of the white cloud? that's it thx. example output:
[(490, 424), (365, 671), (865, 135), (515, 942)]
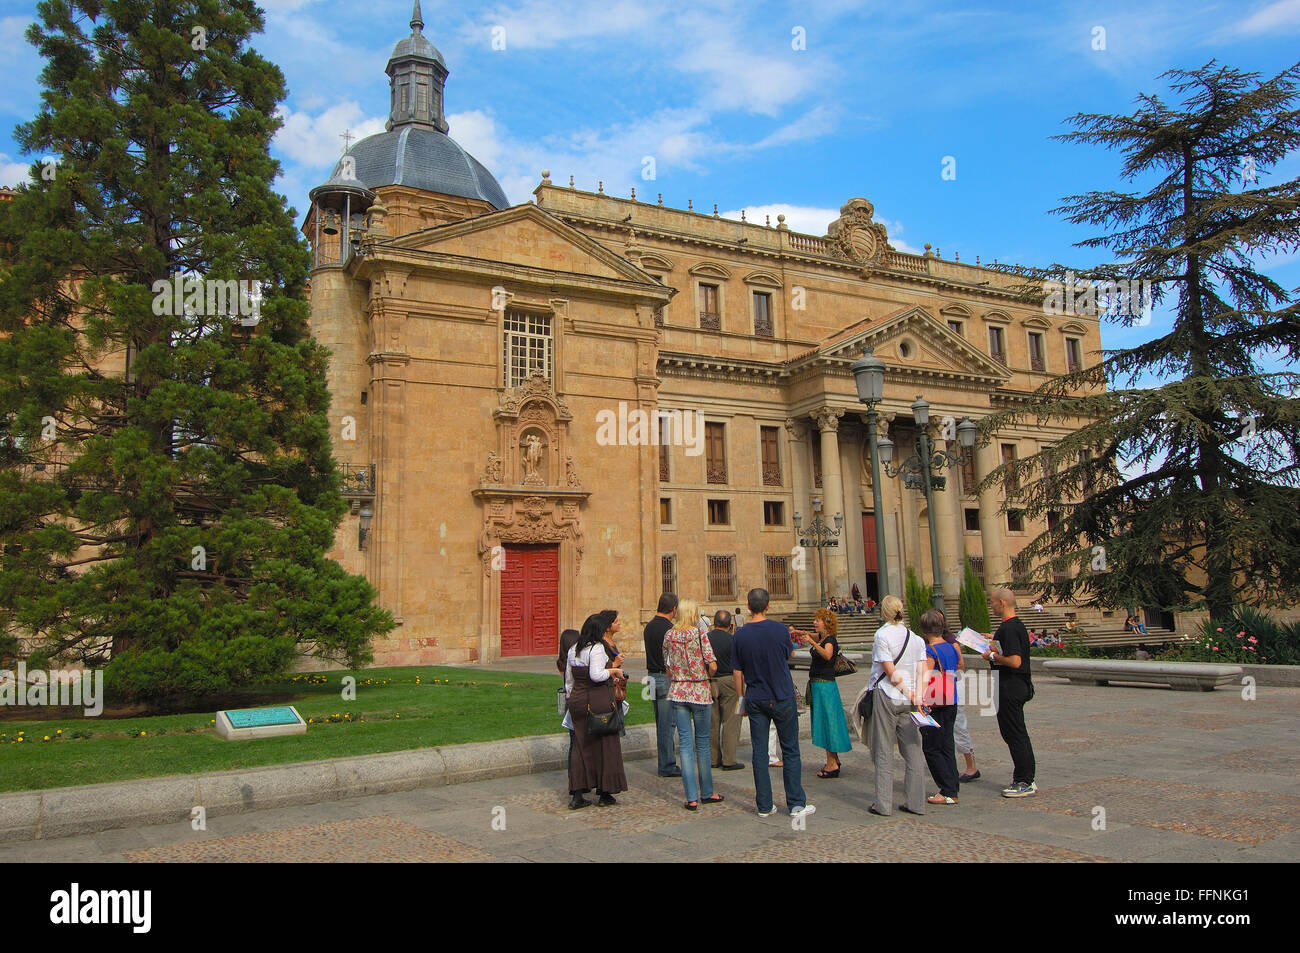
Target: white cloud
[(1282, 16), (13, 173), (314, 141), (805, 219), (538, 25)]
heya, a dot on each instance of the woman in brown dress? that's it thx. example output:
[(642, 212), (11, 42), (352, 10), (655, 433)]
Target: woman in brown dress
[(597, 759)]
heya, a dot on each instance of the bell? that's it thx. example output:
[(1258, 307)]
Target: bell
[(331, 226)]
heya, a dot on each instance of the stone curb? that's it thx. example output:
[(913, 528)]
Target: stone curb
[(91, 808)]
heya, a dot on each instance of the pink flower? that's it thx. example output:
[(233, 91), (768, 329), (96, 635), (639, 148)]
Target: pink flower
[(1252, 640), (1215, 649), (1240, 634), (1218, 630)]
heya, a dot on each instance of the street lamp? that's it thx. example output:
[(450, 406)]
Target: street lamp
[(869, 375), (916, 472), (822, 536)]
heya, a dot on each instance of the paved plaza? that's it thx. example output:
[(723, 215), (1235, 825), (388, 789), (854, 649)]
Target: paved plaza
[(1180, 776)]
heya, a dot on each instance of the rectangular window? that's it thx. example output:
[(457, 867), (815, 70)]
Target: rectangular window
[(817, 468), (710, 315), (668, 573), (722, 578), (1053, 517), (665, 467), (665, 512), (968, 480), (528, 345), (1037, 356), (1015, 521), (972, 519), (773, 513), (957, 328), (762, 314), (776, 576), (715, 453), (771, 454), (1010, 485), (719, 513), (997, 345), (1073, 355)]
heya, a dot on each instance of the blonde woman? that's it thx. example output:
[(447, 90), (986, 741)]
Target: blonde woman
[(898, 654), (689, 662)]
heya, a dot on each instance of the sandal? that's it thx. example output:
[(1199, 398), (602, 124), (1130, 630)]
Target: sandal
[(713, 799), (940, 799), (691, 805), (823, 773)]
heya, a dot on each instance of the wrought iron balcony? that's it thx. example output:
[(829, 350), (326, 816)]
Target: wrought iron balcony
[(358, 484)]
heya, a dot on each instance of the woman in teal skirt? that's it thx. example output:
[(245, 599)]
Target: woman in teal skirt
[(829, 728)]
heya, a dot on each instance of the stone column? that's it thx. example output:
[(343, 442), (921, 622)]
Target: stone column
[(828, 422), (951, 552), (910, 502), (997, 569), (890, 491), (805, 580)]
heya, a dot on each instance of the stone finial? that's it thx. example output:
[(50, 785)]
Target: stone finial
[(767, 220), (742, 214), (600, 186), (928, 253), (634, 193), (546, 177), (689, 206), (956, 256), (780, 222), (977, 261), (571, 185), (661, 200), (377, 213)]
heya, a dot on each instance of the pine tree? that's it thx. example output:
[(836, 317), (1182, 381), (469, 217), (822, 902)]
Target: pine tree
[(167, 486), (1211, 515), (972, 603)]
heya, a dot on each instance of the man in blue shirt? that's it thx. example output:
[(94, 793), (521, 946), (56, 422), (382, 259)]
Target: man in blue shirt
[(760, 656)]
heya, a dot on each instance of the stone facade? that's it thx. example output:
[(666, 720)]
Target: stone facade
[(476, 351)]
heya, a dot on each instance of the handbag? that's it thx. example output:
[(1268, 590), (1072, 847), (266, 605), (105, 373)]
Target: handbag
[(620, 687), (864, 706), (608, 723), (843, 666)]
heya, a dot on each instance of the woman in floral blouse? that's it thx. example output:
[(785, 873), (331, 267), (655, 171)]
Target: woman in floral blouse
[(689, 661)]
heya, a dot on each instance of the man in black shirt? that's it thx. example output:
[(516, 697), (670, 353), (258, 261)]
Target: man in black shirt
[(724, 730), (655, 630), (1015, 687)]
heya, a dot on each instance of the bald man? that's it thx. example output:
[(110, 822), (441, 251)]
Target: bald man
[(1010, 659)]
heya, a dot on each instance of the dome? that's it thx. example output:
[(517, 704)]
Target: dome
[(417, 45), (423, 158)]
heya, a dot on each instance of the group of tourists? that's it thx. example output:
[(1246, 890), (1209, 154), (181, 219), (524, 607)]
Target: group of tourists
[(704, 674)]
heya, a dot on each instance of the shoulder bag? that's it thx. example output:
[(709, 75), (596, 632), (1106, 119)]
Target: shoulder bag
[(864, 706)]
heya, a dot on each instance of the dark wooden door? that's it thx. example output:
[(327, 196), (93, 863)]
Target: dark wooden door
[(530, 601)]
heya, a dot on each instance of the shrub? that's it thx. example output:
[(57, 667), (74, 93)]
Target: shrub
[(973, 604), (920, 599)]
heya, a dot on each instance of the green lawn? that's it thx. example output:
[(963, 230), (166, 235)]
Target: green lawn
[(395, 709)]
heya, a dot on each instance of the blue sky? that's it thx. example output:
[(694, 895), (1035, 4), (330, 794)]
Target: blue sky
[(732, 113)]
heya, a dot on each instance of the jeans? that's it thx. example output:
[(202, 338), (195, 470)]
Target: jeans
[(664, 723), (785, 716), (1013, 692), (693, 728)]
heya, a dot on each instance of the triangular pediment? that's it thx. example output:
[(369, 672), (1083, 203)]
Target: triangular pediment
[(908, 339), (525, 235)]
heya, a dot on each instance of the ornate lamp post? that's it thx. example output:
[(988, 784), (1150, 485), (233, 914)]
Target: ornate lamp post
[(822, 536), (916, 471), (869, 375)]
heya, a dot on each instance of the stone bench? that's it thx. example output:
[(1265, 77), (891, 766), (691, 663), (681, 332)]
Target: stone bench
[(1184, 676)]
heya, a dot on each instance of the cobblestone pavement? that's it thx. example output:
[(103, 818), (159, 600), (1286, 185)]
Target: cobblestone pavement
[(1125, 774)]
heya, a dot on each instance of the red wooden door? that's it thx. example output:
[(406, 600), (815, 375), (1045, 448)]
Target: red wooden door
[(530, 601), (869, 541)]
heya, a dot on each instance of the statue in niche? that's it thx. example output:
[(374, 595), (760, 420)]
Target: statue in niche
[(571, 473), (532, 446)]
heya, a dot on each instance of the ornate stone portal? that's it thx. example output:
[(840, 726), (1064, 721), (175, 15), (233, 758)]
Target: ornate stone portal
[(531, 494)]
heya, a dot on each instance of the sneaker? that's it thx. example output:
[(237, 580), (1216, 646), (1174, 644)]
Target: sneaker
[(769, 812), (1021, 789), (802, 811)]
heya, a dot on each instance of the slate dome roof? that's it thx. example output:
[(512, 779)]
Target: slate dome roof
[(423, 158)]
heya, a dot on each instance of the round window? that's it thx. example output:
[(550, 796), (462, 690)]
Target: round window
[(905, 349)]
